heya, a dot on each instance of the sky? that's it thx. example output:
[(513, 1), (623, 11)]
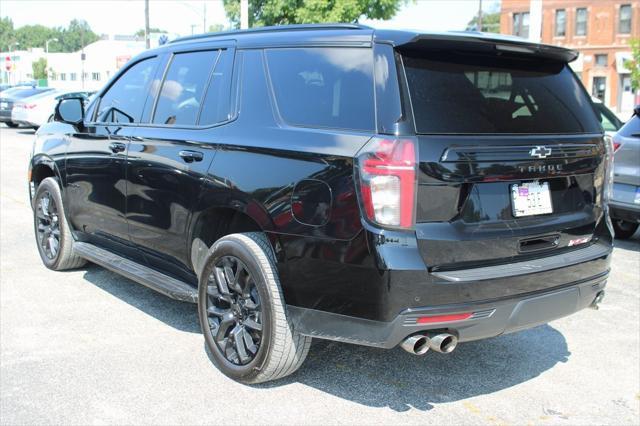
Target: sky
[(178, 16)]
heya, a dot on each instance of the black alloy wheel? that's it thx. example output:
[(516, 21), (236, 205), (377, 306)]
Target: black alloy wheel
[(48, 225), (234, 310)]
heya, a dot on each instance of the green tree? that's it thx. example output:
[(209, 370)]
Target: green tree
[(140, 32), (633, 64), (281, 12), (35, 36), (77, 35), (39, 69), (216, 28), (7, 34), (490, 23)]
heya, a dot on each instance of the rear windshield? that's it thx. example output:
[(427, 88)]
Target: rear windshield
[(455, 93)]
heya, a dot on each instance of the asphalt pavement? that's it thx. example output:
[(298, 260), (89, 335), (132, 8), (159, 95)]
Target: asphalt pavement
[(91, 347)]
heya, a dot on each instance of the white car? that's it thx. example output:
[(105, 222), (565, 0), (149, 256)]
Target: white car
[(39, 109)]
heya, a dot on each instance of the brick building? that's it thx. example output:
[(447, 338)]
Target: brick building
[(599, 29)]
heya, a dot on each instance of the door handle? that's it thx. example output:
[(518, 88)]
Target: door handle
[(116, 147), (191, 156)]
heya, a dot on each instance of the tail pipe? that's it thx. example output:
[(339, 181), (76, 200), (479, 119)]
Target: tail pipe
[(419, 344)]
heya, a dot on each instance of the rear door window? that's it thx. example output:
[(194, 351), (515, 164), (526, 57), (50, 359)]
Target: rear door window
[(183, 88), (324, 87), (457, 93)]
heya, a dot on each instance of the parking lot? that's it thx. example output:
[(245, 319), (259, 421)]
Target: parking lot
[(91, 347)]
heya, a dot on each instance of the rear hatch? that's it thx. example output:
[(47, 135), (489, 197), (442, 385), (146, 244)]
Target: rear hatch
[(511, 154)]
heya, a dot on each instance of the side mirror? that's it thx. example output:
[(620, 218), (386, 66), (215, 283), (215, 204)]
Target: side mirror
[(636, 110), (70, 111)]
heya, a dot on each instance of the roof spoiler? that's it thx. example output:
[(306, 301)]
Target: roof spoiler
[(481, 42)]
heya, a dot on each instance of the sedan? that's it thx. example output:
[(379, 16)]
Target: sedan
[(9, 97), (36, 110)]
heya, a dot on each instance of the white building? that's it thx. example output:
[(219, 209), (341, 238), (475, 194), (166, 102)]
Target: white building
[(101, 60), (69, 71)]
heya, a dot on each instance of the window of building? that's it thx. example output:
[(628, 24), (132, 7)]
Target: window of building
[(95, 76), (54, 76), (63, 76), (324, 87), (521, 24), (601, 60), (125, 99), (183, 88), (624, 23), (73, 76), (581, 21), (599, 87), (561, 23)]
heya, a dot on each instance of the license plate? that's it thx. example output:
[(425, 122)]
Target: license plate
[(531, 198), (3, 105)]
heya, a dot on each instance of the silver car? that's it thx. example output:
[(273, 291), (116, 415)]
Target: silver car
[(625, 203)]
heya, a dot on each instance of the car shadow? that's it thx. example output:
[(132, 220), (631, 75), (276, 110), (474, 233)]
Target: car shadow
[(400, 381), (180, 315), (378, 377), (632, 244)]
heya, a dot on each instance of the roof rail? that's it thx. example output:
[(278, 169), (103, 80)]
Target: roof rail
[(276, 28)]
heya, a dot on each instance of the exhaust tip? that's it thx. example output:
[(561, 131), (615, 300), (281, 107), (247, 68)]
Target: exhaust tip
[(597, 300), (418, 344), (444, 342)]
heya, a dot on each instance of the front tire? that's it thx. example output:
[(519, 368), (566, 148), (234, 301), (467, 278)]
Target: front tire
[(623, 229), (242, 312), (53, 237)]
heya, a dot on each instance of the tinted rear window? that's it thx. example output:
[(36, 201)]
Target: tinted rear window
[(454, 93), (324, 87), (632, 128)]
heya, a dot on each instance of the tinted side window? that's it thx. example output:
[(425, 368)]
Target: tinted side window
[(183, 88), (632, 128), (217, 100), (124, 101), (324, 87)]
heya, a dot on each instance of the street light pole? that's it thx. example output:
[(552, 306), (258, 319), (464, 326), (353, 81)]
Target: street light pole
[(147, 42), (46, 44), (480, 15), (244, 14)]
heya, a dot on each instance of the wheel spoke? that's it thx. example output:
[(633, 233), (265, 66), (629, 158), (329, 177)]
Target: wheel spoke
[(238, 340), (252, 324), (227, 322), (221, 281), (248, 342), (215, 311)]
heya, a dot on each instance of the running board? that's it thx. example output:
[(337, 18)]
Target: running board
[(151, 278)]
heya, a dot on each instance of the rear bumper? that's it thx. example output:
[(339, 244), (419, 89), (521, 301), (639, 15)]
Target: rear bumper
[(489, 318)]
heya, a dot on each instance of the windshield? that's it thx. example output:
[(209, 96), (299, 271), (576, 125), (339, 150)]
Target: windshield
[(467, 93)]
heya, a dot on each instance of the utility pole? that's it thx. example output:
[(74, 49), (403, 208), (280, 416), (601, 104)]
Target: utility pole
[(147, 42), (204, 16), (82, 55), (244, 14), (480, 15)]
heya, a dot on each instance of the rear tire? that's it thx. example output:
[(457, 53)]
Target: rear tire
[(53, 237), (624, 230), (11, 124), (243, 314)]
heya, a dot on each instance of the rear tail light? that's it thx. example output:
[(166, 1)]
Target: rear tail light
[(616, 144), (387, 175), (610, 148), (25, 106)]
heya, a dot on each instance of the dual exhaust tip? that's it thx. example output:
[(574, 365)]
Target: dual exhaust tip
[(419, 344)]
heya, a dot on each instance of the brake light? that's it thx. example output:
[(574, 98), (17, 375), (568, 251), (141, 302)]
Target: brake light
[(387, 173), (25, 106)]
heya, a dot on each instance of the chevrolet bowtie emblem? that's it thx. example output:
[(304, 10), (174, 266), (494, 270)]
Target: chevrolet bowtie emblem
[(540, 152)]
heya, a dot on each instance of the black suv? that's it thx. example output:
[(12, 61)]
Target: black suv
[(374, 187)]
